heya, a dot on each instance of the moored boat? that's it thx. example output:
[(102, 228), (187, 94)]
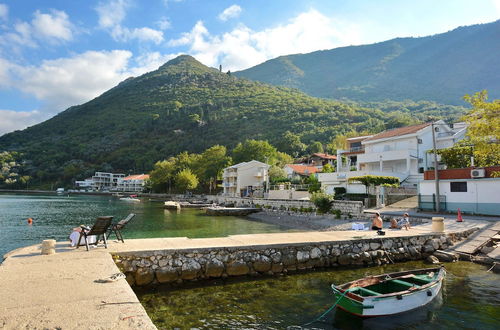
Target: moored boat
[(131, 198), (389, 294), (171, 205)]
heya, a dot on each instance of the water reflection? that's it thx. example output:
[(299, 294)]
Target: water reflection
[(470, 298)]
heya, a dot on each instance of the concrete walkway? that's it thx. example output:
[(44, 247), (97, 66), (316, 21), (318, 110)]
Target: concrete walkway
[(58, 291), (389, 211)]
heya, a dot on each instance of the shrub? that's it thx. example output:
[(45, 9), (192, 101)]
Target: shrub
[(322, 201), (339, 190), (337, 213)]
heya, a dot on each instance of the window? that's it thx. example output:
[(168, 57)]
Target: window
[(458, 186)]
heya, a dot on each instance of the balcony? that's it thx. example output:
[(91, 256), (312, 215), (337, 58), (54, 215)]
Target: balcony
[(387, 155), (230, 174), (229, 184)]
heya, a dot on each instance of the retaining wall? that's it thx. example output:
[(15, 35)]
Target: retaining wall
[(353, 208), (175, 266)]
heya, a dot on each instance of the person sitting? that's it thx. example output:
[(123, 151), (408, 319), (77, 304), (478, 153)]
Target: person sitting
[(394, 224), (377, 222), (404, 222)]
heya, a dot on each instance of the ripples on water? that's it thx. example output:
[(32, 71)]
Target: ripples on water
[(55, 216), (470, 299)]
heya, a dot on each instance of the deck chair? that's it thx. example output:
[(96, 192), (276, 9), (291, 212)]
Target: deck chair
[(117, 227), (99, 228)]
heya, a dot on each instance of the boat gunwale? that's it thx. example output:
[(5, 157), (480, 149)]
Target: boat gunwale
[(360, 299)]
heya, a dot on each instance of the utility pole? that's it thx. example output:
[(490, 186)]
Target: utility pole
[(436, 172)]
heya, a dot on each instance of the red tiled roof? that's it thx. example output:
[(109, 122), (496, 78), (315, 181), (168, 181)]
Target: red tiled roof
[(398, 132), (324, 156), (137, 177), (303, 169)]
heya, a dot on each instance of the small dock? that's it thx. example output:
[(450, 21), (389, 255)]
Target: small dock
[(477, 240)]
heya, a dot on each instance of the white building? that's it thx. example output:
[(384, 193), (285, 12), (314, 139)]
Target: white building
[(458, 189), (103, 181), (400, 152), (84, 184), (247, 179), (132, 183)]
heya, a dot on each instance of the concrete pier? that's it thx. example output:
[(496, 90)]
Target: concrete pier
[(59, 290)]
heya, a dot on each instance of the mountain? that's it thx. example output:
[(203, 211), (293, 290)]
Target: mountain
[(183, 105), (441, 68)]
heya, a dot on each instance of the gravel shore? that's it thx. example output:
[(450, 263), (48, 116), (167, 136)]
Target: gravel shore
[(305, 222)]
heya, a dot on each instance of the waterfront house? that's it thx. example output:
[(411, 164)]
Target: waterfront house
[(299, 171), (132, 183), (103, 181), (400, 152), (247, 179), (474, 190), (84, 184), (319, 159)]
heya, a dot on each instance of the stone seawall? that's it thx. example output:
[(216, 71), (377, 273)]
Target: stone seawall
[(347, 208), (175, 266)]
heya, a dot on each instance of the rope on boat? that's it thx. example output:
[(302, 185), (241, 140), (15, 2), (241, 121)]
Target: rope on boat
[(318, 319), (494, 264)]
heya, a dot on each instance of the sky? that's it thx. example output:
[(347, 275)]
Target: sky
[(58, 53)]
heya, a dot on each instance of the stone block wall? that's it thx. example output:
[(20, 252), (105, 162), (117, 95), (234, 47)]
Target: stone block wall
[(354, 208), (176, 266)]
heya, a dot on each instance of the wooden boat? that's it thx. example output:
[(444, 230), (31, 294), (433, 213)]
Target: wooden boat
[(235, 211), (389, 294)]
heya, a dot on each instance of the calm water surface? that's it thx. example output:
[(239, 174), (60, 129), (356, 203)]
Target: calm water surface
[(470, 299), (55, 216)]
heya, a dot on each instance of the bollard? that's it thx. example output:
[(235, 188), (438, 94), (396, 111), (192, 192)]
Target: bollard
[(49, 246), (438, 224)]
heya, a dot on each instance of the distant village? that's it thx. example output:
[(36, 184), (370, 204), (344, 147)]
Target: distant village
[(405, 153)]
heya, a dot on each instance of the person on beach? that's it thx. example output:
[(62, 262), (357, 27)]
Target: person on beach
[(377, 222), (404, 222)]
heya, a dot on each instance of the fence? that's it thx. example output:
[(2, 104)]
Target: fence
[(428, 202)]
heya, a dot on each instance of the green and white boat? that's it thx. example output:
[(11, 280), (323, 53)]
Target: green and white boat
[(389, 294)]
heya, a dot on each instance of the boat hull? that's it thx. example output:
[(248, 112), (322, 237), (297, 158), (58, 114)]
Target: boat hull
[(371, 304), (389, 305)]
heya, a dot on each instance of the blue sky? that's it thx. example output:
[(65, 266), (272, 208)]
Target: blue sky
[(58, 53)]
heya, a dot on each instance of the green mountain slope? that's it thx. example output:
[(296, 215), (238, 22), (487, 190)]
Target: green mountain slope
[(439, 68), (183, 105)]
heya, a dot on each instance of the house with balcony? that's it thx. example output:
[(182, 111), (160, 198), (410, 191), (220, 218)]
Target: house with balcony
[(400, 152), (103, 181), (247, 179), (132, 183)]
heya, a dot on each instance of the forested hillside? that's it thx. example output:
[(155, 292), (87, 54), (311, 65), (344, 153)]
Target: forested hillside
[(185, 106), (440, 68)]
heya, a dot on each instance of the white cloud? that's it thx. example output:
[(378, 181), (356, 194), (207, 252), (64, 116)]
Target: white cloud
[(14, 120), (4, 12), (111, 13), (144, 34), (243, 47), (54, 26), (164, 23), (230, 12)]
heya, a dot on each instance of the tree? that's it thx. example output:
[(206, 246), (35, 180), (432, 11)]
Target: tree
[(374, 180), (211, 163), (458, 156), (291, 144), (282, 159), (276, 173), (328, 169), (484, 128), (161, 176), (254, 150), (185, 180), (315, 147), (314, 184)]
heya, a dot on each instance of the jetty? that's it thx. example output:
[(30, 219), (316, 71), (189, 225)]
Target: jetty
[(62, 290)]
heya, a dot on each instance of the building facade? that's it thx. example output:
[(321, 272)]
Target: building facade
[(472, 190), (132, 183), (247, 179), (400, 152), (103, 181)]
